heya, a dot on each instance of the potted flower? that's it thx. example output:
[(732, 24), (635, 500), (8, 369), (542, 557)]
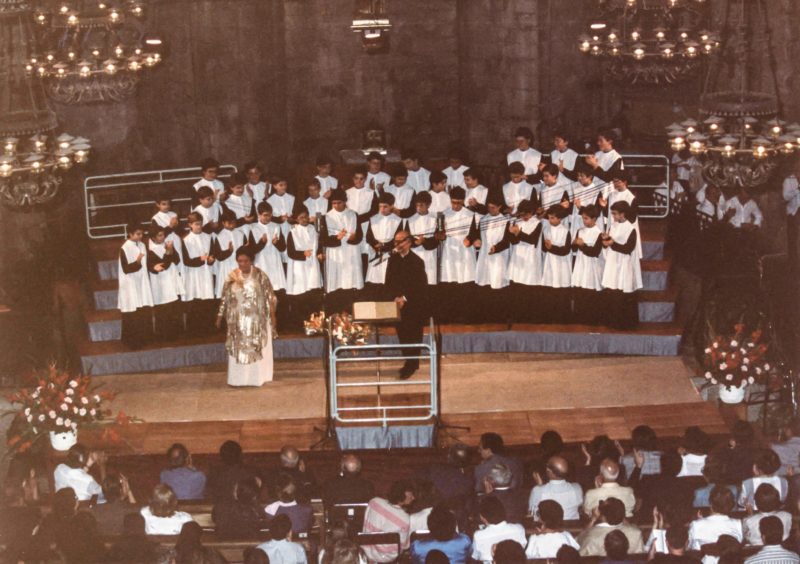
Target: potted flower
[(55, 404), (735, 362), (343, 329)]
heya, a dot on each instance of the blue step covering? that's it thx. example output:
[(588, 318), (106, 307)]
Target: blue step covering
[(655, 280), (105, 300), (652, 250), (401, 436), (108, 269), (656, 312)]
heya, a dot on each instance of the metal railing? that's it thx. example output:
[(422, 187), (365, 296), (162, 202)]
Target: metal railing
[(113, 200), (650, 173), (387, 413)]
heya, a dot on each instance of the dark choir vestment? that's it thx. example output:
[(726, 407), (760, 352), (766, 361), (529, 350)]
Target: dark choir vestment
[(406, 278)]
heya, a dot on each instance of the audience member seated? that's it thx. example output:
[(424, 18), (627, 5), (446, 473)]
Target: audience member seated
[(452, 479), (281, 549), (161, 517), (293, 465), (110, 516), (189, 548), (772, 531), (550, 444), (663, 490), (425, 499), (568, 495), (508, 552), (768, 502), (568, 555), (186, 481), (708, 529), (342, 550), (693, 450), (788, 450), (242, 516), (616, 545), (75, 472), (608, 486), (609, 516), (300, 514), (491, 450), (133, 545), (222, 478), (495, 529), (765, 466), (18, 519), (437, 557), (389, 516), (83, 544), (740, 455), (675, 547), (444, 537), (645, 442), (56, 528), (715, 475), (550, 536), (253, 555), (595, 452), (497, 483), (348, 486)]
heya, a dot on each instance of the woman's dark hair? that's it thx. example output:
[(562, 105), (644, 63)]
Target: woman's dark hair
[(767, 498), (509, 552), (436, 557), (643, 437), (397, 492), (112, 488), (524, 132), (64, 503), (77, 456), (671, 463), (616, 545), (491, 509), (280, 526), (188, 543), (247, 491), (768, 461), (715, 469), (230, 453), (695, 440), (254, 555), (342, 551), (552, 443), (568, 555), (133, 524), (442, 523), (551, 513), (601, 447), (722, 501), (245, 251)]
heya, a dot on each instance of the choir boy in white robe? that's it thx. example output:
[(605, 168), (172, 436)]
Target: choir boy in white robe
[(556, 266), (377, 179), (606, 161), (242, 204), (587, 274), (225, 245), (456, 169), (524, 153), (327, 183), (268, 245), (517, 190), (476, 192), (440, 198), (525, 263), (315, 204), (418, 176), (622, 274), (380, 238), (208, 209), (303, 274), (422, 227), (134, 298), (586, 191), (491, 269), (256, 187), (563, 157), (457, 260), (209, 169), (168, 219), (621, 193), (551, 192), (743, 217), (198, 277), (364, 202), (340, 236), (282, 206), (403, 195), (711, 202), (165, 283)]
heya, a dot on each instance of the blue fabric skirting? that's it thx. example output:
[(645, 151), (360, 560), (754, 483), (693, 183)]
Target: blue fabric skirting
[(404, 436)]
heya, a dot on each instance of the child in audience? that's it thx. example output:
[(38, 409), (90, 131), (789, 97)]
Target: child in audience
[(476, 192), (418, 176), (267, 243), (209, 169), (440, 199), (455, 172), (525, 263), (165, 282), (240, 203), (457, 270), (557, 265), (304, 277), (403, 195), (380, 240), (208, 210), (622, 274), (327, 183), (377, 179), (256, 187), (315, 204), (198, 277), (422, 227), (282, 206), (134, 297), (491, 269), (517, 189), (587, 274), (226, 243)]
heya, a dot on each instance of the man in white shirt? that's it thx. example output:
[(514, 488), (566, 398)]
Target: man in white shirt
[(281, 548), (768, 501), (496, 529), (75, 473), (524, 153), (788, 450), (742, 212), (771, 530), (567, 494), (609, 473), (708, 529)]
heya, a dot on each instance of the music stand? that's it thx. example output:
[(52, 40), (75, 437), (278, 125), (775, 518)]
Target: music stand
[(376, 314)]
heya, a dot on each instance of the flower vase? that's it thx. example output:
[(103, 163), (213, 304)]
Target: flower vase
[(63, 441), (731, 394)]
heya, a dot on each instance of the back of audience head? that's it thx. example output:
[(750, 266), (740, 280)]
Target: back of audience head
[(695, 440), (230, 453), (771, 529), (766, 462), (568, 555), (112, 488), (287, 488), (442, 523), (290, 457), (459, 455), (767, 498), (436, 557), (177, 455), (280, 527), (671, 463), (509, 552), (133, 525), (77, 456), (715, 469), (557, 468), (552, 443), (253, 555), (722, 501), (601, 447), (65, 503), (609, 470), (491, 510), (499, 476), (342, 551), (730, 549), (163, 501), (743, 433), (247, 491), (401, 493), (351, 465), (188, 541), (612, 510), (616, 545), (644, 437), (677, 538), (551, 514), (491, 443)]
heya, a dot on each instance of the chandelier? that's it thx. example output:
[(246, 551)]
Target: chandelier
[(372, 23), (650, 41), (739, 136), (91, 50)]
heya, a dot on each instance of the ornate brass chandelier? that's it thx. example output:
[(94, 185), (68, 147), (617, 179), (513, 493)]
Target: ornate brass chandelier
[(739, 136), (91, 50), (650, 41)]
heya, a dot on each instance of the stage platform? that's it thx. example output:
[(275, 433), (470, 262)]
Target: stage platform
[(517, 395)]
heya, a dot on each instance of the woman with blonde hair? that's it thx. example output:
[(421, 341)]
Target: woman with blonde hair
[(162, 517)]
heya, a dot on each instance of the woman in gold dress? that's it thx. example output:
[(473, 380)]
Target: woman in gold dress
[(248, 307)]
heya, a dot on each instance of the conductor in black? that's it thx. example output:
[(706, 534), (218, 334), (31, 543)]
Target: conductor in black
[(408, 284)]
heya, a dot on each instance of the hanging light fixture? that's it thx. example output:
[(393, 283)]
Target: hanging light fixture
[(372, 23), (739, 137), (90, 50), (650, 41)]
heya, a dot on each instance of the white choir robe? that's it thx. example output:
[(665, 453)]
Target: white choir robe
[(440, 202), (425, 226), (269, 258), (327, 183), (379, 178), (588, 196), (556, 270), (259, 192), (209, 215), (458, 262), (530, 158), (198, 281), (225, 267), (606, 160), (568, 157), (479, 193), (622, 271), (303, 275), (588, 271), (360, 200), (167, 285), (282, 205), (241, 206), (318, 206), (403, 195), (525, 264), (134, 288), (383, 228), (743, 213), (216, 185), (513, 194), (419, 180), (164, 219), (492, 269), (455, 176), (342, 263), (552, 195), (626, 196)]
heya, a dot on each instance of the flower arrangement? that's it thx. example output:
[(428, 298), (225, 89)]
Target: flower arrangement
[(57, 402), (736, 361), (344, 330)]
